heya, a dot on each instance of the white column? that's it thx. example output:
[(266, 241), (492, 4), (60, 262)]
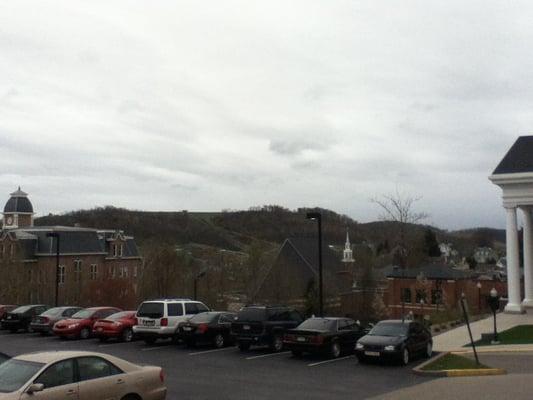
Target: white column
[(513, 270), (528, 257)]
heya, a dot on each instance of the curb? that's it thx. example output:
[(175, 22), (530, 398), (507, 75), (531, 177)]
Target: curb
[(491, 350), (452, 373)]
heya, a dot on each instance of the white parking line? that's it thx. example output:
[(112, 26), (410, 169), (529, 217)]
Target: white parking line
[(267, 355), (113, 344), (154, 348), (330, 361), (196, 353)]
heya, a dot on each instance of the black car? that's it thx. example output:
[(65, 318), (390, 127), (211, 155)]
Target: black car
[(264, 325), (44, 322), (327, 336), (395, 340), (21, 317), (4, 358), (208, 328)]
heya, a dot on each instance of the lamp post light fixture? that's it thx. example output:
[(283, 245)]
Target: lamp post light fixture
[(494, 302), (198, 276), (479, 297), (316, 216), (57, 237)]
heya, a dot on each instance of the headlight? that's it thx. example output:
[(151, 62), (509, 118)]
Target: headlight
[(390, 348), (71, 326), (359, 346)]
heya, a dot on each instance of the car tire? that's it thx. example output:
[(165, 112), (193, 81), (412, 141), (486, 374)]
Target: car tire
[(429, 350), (335, 349), (277, 344), (296, 353), (219, 341), (126, 335), (85, 333), (243, 346), (405, 356)]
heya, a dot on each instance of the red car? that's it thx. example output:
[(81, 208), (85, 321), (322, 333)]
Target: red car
[(117, 325), (4, 309), (80, 325)]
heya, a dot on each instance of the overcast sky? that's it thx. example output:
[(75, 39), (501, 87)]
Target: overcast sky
[(210, 105)]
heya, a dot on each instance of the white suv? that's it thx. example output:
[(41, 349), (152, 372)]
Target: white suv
[(159, 319)]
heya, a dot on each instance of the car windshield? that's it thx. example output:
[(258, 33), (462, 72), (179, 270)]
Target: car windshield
[(15, 373), (83, 314), (204, 318), (119, 315), (21, 310), (252, 315), (53, 312), (389, 329), (318, 324), (151, 310)]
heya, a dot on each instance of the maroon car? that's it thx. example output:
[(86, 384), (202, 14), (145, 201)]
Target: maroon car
[(117, 325), (80, 325), (4, 309)]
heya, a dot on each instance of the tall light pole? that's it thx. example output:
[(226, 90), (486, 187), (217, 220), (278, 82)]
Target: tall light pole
[(479, 297), (56, 236), (494, 303), (316, 216)]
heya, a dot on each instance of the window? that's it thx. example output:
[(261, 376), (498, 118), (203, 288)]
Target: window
[(115, 249), (126, 273), (436, 296), (121, 272), (406, 295), (94, 271), (175, 309), (421, 295), (12, 250), (201, 307), (113, 271), (77, 270), (62, 274), (121, 250), (95, 367), (190, 308), (226, 319), (296, 316), (347, 325), (135, 271), (58, 374)]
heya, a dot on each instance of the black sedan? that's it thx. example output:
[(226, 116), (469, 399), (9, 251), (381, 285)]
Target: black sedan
[(327, 336), (395, 340), (211, 327), (21, 317)]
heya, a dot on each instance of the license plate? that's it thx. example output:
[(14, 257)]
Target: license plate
[(187, 328), (99, 329), (301, 339), (148, 322), (372, 353), (9, 317), (246, 327)]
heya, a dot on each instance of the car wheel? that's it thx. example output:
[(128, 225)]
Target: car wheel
[(127, 335), (244, 346), (149, 340), (219, 341), (429, 350), (335, 350), (405, 356), (296, 353), (277, 343), (85, 333)]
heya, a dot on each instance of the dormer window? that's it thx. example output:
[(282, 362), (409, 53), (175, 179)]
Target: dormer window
[(115, 250), (121, 250)]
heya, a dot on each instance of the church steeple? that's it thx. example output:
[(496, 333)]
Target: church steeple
[(348, 253), (18, 211)]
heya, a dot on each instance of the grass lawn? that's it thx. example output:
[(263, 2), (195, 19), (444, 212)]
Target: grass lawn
[(453, 361), (521, 334)]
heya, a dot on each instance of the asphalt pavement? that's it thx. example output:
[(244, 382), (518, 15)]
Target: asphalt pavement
[(204, 373)]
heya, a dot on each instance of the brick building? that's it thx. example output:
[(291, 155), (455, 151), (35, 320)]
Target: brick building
[(96, 267), (435, 287)]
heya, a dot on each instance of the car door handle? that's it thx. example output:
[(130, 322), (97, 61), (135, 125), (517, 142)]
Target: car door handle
[(120, 381), (72, 392)]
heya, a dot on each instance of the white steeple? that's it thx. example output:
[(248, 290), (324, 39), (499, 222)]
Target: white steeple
[(348, 253)]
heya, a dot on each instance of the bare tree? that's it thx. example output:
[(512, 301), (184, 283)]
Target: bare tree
[(399, 207)]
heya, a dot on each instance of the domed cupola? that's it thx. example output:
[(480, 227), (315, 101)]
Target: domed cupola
[(18, 211)]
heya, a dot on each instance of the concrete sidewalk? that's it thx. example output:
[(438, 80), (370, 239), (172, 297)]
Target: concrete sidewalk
[(455, 339)]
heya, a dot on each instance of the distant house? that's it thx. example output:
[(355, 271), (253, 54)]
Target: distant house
[(96, 267), (485, 255)]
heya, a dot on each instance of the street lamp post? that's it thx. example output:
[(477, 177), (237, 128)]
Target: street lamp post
[(56, 236), (318, 217), (479, 297), (494, 302), (198, 276)]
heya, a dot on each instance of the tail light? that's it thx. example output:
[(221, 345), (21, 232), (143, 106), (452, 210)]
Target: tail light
[(162, 376), (164, 322), (319, 339), (289, 338), (45, 320), (202, 328)]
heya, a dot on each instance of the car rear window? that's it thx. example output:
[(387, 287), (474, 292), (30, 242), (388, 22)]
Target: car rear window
[(21, 310), (83, 314), (252, 314), (151, 310), (205, 317), (318, 324), (119, 315), (53, 312)]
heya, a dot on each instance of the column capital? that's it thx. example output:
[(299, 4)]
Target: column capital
[(510, 208)]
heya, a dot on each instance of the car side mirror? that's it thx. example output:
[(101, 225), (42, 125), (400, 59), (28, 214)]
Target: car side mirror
[(34, 388)]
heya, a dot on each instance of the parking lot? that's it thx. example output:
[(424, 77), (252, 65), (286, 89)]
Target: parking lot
[(203, 373)]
